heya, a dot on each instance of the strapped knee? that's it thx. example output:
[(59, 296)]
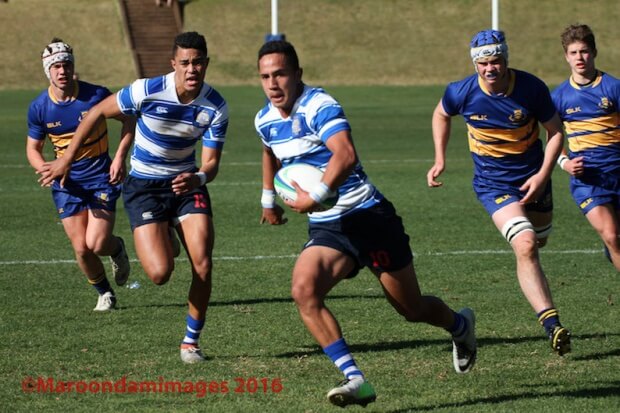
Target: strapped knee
[(515, 226)]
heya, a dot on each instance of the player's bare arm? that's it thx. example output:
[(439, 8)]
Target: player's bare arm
[(555, 142), (338, 168), (209, 168), (275, 214), (441, 124), (118, 170)]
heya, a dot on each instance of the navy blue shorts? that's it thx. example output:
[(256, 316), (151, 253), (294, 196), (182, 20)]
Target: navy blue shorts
[(70, 201), (152, 200), (592, 191), (373, 237), (494, 199)]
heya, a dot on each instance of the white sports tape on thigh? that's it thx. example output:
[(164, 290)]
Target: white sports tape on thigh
[(543, 232), (515, 226)]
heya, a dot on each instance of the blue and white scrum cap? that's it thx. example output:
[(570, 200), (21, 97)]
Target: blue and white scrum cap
[(57, 51), (487, 44)]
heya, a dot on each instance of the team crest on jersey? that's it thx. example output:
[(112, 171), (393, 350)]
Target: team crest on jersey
[(605, 104), (203, 118), (517, 116), (296, 126)]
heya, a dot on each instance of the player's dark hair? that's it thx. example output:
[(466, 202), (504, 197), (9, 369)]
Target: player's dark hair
[(190, 40), (281, 46), (578, 33)]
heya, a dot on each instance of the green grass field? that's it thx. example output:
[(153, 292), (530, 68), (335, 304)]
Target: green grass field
[(261, 358)]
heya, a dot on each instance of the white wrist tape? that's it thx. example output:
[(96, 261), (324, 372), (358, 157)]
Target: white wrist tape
[(202, 176), (320, 193), (268, 199), (562, 160)]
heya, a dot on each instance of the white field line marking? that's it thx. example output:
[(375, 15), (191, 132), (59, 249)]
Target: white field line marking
[(279, 257)]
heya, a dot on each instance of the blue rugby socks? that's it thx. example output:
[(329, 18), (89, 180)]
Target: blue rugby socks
[(101, 284), (192, 331), (339, 353), (549, 319)]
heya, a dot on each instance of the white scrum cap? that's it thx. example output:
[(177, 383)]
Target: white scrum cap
[(488, 44), (57, 51)]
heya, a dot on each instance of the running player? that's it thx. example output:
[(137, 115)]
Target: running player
[(502, 108), (86, 199), (589, 105), (304, 124), (164, 185)]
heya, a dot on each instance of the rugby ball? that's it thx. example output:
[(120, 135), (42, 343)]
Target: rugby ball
[(306, 176)]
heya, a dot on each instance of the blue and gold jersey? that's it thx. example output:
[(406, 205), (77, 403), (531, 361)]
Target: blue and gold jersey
[(592, 122), (58, 120), (502, 129)]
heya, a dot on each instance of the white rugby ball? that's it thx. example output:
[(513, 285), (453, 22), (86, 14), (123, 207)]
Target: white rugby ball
[(306, 176)]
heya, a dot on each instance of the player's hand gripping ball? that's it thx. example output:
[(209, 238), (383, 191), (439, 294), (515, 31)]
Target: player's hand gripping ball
[(306, 176)]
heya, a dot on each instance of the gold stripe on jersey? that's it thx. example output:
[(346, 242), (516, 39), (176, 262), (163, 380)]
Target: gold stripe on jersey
[(601, 131), (74, 95), (95, 144), (511, 84), (596, 82), (501, 142)]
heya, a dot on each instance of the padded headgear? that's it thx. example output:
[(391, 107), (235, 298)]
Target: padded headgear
[(56, 52), (487, 44)]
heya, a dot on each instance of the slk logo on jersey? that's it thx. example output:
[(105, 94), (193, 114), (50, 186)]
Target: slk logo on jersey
[(51, 125), (161, 109), (570, 111), (203, 118)]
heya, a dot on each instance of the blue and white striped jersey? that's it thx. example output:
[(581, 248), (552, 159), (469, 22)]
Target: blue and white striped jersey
[(167, 130), (301, 138)]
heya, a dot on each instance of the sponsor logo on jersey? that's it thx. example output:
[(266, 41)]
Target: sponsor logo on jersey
[(502, 199), (56, 124), (570, 111), (161, 109), (82, 115), (147, 215), (585, 203), (479, 117)]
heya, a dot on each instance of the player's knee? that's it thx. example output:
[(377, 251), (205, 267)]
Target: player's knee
[(82, 251), (160, 275), (304, 295), (610, 238)]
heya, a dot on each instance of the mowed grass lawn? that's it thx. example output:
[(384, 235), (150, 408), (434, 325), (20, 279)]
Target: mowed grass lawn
[(261, 358)]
